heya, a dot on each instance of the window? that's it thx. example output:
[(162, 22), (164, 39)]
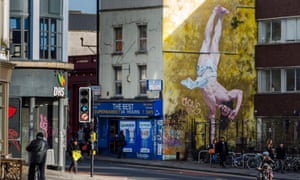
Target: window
[(279, 80), (19, 37), (269, 80), (293, 79), (118, 40), (50, 39), (276, 30), (142, 79), (118, 81), (290, 79), (279, 30), (142, 39)]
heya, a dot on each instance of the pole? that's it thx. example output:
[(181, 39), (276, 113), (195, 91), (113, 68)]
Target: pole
[(92, 148), (61, 135), (97, 43), (92, 135)]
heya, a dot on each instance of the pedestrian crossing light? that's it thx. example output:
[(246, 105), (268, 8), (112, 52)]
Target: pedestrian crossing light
[(85, 104)]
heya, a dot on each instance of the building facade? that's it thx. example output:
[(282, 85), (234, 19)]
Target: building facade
[(147, 49), (82, 53), (130, 54), (38, 89), (278, 73)]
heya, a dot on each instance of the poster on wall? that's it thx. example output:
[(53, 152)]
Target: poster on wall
[(145, 137), (159, 137), (129, 128)]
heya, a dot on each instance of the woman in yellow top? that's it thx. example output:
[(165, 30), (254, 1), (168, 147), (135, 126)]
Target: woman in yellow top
[(75, 154)]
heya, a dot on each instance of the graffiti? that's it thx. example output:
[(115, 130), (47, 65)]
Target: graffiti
[(174, 128), (11, 111), (192, 106), (13, 135), (44, 124), (174, 121), (14, 128), (172, 138)]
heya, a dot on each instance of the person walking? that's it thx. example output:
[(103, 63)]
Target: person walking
[(222, 150), (270, 148), (280, 156), (121, 144), (38, 154), (75, 154), (212, 152)]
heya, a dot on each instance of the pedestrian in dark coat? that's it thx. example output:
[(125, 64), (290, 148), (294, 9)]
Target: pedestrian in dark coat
[(281, 155), (38, 152), (222, 150), (121, 144)]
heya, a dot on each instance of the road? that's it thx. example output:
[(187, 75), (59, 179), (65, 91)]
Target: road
[(139, 172)]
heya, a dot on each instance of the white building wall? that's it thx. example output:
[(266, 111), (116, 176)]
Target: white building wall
[(153, 59), (89, 42)]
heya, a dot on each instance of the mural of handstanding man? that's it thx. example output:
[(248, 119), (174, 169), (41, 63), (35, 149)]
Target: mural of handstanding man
[(215, 95)]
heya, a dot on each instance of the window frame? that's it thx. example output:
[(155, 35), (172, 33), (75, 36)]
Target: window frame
[(118, 80), (50, 47), (118, 40), (279, 30), (142, 38), (275, 80), (142, 79), (19, 30)]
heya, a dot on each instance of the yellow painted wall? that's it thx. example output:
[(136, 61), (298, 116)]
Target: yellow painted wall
[(184, 22)]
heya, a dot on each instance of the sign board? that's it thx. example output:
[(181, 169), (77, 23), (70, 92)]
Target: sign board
[(96, 90), (154, 84)]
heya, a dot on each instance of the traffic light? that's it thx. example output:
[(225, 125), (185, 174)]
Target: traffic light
[(85, 104)]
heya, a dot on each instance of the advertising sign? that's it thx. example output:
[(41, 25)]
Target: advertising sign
[(129, 128)]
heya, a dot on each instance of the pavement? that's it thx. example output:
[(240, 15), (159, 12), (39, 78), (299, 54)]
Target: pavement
[(180, 164)]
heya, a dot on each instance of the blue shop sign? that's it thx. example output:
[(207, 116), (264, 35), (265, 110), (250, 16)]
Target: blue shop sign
[(140, 109)]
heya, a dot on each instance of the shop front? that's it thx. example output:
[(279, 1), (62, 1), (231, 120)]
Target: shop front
[(141, 122), (5, 78)]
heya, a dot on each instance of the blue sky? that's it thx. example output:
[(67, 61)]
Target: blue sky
[(85, 6)]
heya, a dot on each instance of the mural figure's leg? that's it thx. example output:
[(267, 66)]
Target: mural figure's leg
[(205, 48), (217, 35)]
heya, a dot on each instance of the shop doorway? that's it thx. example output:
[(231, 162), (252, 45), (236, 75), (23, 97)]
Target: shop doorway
[(113, 133)]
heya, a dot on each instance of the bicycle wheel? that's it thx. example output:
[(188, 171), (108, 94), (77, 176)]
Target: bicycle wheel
[(252, 163)]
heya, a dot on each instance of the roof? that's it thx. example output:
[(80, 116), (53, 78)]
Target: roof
[(80, 21)]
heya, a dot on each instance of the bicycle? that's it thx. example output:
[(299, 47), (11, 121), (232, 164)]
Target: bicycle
[(265, 172), (254, 162)]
